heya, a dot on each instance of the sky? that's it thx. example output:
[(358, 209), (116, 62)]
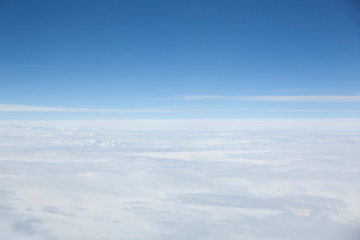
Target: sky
[(179, 59)]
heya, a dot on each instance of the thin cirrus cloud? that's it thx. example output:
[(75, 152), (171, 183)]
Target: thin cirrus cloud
[(299, 98), (30, 108)]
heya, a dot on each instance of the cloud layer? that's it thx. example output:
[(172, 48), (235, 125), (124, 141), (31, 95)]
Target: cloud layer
[(67, 181)]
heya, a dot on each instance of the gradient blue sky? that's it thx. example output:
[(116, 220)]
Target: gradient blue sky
[(179, 59)]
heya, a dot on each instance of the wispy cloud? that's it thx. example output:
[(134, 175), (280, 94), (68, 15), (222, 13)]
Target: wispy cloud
[(298, 98), (30, 108)]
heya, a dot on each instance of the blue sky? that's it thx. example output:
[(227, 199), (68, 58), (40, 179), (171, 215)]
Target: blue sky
[(179, 59)]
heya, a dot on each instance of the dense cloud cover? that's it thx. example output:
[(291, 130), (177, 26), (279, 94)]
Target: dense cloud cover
[(105, 183)]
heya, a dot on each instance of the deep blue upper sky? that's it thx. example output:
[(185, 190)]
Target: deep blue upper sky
[(123, 54)]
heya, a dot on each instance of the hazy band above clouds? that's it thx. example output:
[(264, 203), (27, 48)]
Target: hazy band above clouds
[(342, 124)]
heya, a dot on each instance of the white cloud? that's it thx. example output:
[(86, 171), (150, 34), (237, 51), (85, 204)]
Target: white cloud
[(314, 98), (101, 180), (29, 108)]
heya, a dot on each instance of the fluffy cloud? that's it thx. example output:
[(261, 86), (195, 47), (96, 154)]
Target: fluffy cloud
[(81, 181)]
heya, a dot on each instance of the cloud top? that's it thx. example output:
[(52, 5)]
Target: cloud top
[(80, 182)]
